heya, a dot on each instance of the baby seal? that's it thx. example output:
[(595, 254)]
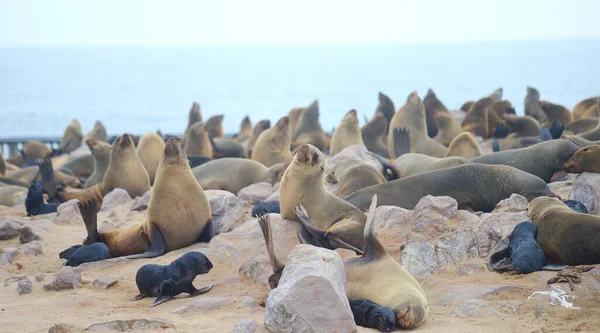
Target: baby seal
[(164, 282), (34, 203), (266, 207), (523, 253), (79, 254), (371, 315)]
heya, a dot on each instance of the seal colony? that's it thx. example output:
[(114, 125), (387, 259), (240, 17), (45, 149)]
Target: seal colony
[(395, 158)]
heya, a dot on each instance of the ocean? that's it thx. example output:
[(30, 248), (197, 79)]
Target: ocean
[(142, 89)]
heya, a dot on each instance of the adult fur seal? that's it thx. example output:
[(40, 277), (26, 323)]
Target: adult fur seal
[(371, 315), (386, 108), (481, 187), (556, 112), (197, 141), (523, 254), (464, 145), (245, 130), (476, 120), (260, 127), (412, 116), (533, 107), (195, 116), (164, 282), (581, 125), (523, 126), (580, 108), (352, 175), (586, 159), (214, 126), (97, 133), (101, 154), (432, 106), (32, 151), (273, 145), (82, 166), (413, 164), (373, 133), (178, 213), (448, 128), (346, 134), (309, 129), (376, 276), (150, 150), (72, 137), (543, 159), (565, 236), (226, 147), (331, 221), (233, 174)]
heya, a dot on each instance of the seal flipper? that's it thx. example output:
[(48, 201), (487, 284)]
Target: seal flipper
[(47, 173), (373, 248), (557, 129), (156, 245), (137, 298), (545, 134), (264, 221), (495, 145), (390, 172), (90, 219), (401, 138), (166, 293), (195, 292)]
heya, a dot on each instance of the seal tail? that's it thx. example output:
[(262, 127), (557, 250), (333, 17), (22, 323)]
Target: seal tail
[(90, 219), (401, 138), (390, 171), (47, 173), (264, 222), (373, 248)]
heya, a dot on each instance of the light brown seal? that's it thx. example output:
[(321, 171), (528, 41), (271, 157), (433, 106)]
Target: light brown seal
[(150, 150), (464, 145), (352, 175), (309, 129), (586, 159), (373, 133), (197, 141), (294, 116), (245, 130), (214, 126), (581, 125), (592, 112), (72, 138), (580, 108), (195, 116), (448, 128), (101, 153), (346, 134), (260, 127), (432, 106), (533, 107), (556, 112), (476, 120), (32, 151), (273, 145), (522, 126), (97, 133)]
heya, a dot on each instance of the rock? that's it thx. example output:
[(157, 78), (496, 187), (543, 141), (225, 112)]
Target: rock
[(256, 193), (141, 203), (563, 188), (28, 234), (468, 269), (68, 212), (14, 278), (258, 269), (311, 296), (67, 278), (20, 201), (474, 308), (40, 277), (586, 189), (104, 282), (509, 306), (61, 328), (8, 255), (128, 325), (456, 247), (456, 294), (418, 257), (24, 286), (431, 215), (516, 203), (11, 229), (274, 196), (494, 227), (245, 326), (32, 248), (113, 199), (207, 303), (227, 210)]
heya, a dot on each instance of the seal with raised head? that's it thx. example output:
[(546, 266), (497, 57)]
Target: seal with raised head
[(533, 107), (376, 276), (245, 130), (214, 126), (32, 151), (581, 107), (352, 175), (433, 106), (309, 129), (480, 187), (197, 141), (565, 236), (346, 134), (97, 133), (447, 128), (373, 133), (464, 145), (260, 127), (556, 112), (178, 213), (195, 116), (72, 138), (586, 159), (273, 145), (385, 107), (522, 126), (476, 120), (167, 281), (101, 153), (150, 150)]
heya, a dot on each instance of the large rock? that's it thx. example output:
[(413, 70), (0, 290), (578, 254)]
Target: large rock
[(256, 193), (11, 229), (562, 188), (68, 212), (128, 325), (586, 189), (419, 257), (431, 215), (456, 247), (246, 326), (227, 210), (141, 203), (8, 255), (311, 295), (494, 227), (516, 203), (113, 199), (67, 278), (104, 282)]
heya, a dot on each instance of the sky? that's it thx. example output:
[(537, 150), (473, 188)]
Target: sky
[(307, 22)]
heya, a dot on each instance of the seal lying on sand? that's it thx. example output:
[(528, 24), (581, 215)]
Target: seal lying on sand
[(371, 315), (523, 253), (164, 282)]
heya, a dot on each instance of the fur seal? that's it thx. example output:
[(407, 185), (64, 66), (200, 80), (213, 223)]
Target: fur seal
[(273, 145), (464, 145), (467, 106), (591, 135), (178, 213), (592, 112), (82, 166), (376, 276), (476, 120), (309, 129), (581, 125), (413, 164), (432, 106), (544, 159), (101, 154), (2, 165), (481, 187), (352, 175), (576, 206), (386, 108), (447, 128), (195, 116), (266, 207), (294, 116), (556, 112), (233, 174), (586, 159), (97, 133), (523, 254), (372, 135), (214, 126), (164, 282), (197, 141), (34, 203), (332, 222), (412, 116), (348, 133), (245, 130), (501, 108), (565, 236), (225, 147), (371, 315), (533, 107), (80, 254), (72, 137), (150, 150), (580, 108), (32, 151), (260, 127)]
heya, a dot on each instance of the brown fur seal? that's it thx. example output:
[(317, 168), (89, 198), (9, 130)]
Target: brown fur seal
[(376, 276), (581, 125), (260, 127), (499, 108), (32, 151), (195, 116), (413, 164), (331, 221), (476, 120), (448, 128), (226, 147), (352, 175), (544, 159), (565, 236), (214, 126), (273, 145), (2, 165), (245, 130), (125, 171), (101, 153), (97, 133), (522, 126), (233, 174), (178, 213), (496, 95), (412, 116), (586, 159), (432, 106), (386, 108), (82, 166), (592, 112), (591, 135), (467, 106), (294, 116), (476, 187), (72, 137), (556, 112), (309, 129), (197, 141), (372, 135), (580, 108), (150, 150), (464, 145), (346, 134), (533, 107)]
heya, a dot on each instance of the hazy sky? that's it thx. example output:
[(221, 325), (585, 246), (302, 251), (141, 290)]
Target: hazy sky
[(243, 22)]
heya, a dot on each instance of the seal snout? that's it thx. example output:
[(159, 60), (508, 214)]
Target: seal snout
[(303, 153), (125, 140)]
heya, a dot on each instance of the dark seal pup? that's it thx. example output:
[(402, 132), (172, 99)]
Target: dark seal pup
[(266, 207), (34, 203), (576, 206), (372, 315), (164, 282), (523, 253)]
